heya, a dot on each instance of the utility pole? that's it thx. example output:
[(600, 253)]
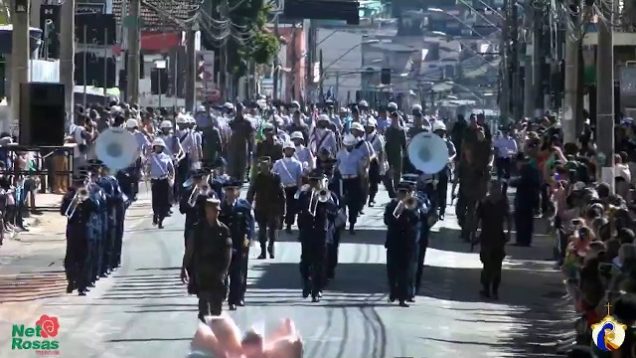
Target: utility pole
[(570, 102), (504, 87), (311, 58), (191, 71), (134, 51), (605, 96), (538, 58), (276, 73), (19, 56), (517, 105), (529, 83)]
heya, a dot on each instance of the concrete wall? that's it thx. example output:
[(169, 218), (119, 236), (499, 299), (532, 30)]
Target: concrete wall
[(335, 43)]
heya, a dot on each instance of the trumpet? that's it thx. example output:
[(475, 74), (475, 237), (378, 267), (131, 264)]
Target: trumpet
[(201, 189), (78, 198), (408, 203), (320, 195)]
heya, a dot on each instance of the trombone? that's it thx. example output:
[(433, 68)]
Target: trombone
[(408, 203), (78, 198), (320, 195)]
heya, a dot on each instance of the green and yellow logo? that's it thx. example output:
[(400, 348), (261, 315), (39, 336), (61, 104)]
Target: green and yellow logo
[(40, 338)]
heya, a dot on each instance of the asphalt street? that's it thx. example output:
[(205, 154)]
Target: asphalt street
[(143, 310)]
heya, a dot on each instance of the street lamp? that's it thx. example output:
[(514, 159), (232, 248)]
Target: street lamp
[(160, 65)]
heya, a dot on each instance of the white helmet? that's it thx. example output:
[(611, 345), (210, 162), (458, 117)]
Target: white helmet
[(349, 139), (363, 103), (132, 123), (165, 124), (417, 107), (357, 126), (295, 104), (392, 106), (181, 119), (439, 126), (289, 145), (371, 122), (323, 117), (297, 135), (159, 142)]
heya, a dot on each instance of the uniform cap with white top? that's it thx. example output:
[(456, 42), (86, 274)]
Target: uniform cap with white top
[(132, 123), (371, 122), (181, 119), (289, 145), (392, 106), (297, 135), (165, 124), (363, 103), (158, 142), (417, 107), (323, 117), (357, 126), (349, 139), (439, 126)]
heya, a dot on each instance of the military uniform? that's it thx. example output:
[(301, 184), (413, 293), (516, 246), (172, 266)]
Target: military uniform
[(208, 255), (237, 216), (76, 263), (316, 231), (267, 194)]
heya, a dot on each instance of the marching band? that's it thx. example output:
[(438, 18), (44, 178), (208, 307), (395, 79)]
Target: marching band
[(316, 178)]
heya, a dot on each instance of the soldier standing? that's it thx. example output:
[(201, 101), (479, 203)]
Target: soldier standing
[(267, 195), (492, 213), (318, 209), (208, 255), (236, 214), (77, 207), (290, 171), (240, 145)]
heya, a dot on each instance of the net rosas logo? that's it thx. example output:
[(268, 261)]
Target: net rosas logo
[(40, 337)]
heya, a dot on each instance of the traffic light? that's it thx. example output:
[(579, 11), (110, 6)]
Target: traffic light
[(385, 76), (159, 81)]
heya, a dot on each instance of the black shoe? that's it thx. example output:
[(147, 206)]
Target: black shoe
[(441, 217), (262, 255), (69, 288), (241, 303), (306, 292), (403, 304), (391, 297), (160, 225), (82, 293), (315, 298), (484, 294), (270, 250), (232, 307), (410, 300), (154, 220)]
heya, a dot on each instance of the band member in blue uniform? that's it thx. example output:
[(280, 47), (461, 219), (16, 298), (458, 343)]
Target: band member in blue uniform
[(290, 171), (161, 173), (316, 222), (349, 169), (326, 164), (267, 195), (96, 223), (426, 193), (236, 214), (77, 207), (403, 219)]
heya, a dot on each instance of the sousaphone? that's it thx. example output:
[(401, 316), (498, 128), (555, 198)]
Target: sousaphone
[(428, 153), (116, 148)]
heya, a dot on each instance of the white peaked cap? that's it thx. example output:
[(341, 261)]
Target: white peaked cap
[(131, 123), (228, 105), (417, 107), (166, 124), (323, 117), (439, 126), (349, 139), (357, 126), (289, 145), (159, 142), (181, 119), (295, 104)]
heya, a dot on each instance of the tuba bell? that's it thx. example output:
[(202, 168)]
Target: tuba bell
[(428, 152), (116, 148)]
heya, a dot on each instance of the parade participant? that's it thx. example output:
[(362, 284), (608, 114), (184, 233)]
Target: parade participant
[(492, 213), (299, 126), (426, 193), (241, 145), (302, 153), (192, 144), (526, 200), (505, 149), (376, 166), (270, 146), (208, 255), (114, 201), (366, 155), (134, 171), (323, 137), (161, 170), (444, 175), (290, 171), (77, 207), (236, 214), (188, 203), (402, 217), (420, 124), (476, 158), (173, 148), (318, 209), (348, 167), (97, 222), (383, 120), (267, 195), (395, 147), (333, 116)]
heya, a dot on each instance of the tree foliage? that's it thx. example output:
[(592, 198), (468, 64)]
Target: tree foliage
[(261, 46)]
